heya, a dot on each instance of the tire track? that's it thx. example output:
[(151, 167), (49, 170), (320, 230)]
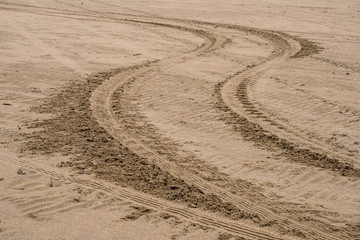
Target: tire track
[(261, 115), (148, 69), (207, 220), (197, 181), (311, 148), (208, 45), (181, 108), (203, 48), (103, 96), (119, 128), (337, 64), (322, 115), (236, 97)]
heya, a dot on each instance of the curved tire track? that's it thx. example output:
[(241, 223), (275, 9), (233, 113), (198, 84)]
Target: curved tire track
[(109, 90), (204, 219), (237, 94), (102, 104)]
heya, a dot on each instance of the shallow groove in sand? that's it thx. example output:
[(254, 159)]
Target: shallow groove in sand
[(110, 90), (204, 219)]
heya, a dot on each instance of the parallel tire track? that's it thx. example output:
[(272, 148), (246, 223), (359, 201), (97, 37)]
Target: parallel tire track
[(119, 129), (103, 97), (142, 199), (210, 42), (236, 93)]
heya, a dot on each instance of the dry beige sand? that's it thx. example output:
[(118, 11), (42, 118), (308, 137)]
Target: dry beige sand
[(179, 119)]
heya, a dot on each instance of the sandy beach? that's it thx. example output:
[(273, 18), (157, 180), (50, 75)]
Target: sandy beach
[(177, 120)]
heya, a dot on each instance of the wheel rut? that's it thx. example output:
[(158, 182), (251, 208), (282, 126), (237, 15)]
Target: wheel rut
[(205, 219), (119, 118), (104, 107)]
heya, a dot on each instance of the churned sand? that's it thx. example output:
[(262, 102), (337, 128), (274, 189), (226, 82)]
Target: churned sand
[(179, 119)]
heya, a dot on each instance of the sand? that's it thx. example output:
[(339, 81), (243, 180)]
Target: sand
[(179, 119)]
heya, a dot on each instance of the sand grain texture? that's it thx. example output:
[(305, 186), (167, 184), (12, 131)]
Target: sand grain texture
[(179, 119)]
